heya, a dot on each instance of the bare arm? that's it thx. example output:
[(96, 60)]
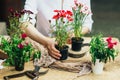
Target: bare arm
[(33, 33)]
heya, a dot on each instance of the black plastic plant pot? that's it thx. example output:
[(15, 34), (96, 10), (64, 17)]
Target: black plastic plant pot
[(19, 64), (77, 43), (63, 52), (18, 68)]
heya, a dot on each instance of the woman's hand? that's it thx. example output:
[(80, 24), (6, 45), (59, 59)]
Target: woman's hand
[(52, 50)]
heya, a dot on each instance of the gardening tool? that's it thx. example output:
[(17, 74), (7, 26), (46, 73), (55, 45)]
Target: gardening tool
[(33, 75)]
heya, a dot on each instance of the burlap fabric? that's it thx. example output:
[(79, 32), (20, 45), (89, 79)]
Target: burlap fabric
[(81, 67)]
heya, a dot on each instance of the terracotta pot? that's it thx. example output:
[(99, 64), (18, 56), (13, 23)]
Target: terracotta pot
[(77, 43), (63, 51), (97, 68)]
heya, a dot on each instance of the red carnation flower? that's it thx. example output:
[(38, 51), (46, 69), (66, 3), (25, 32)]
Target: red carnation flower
[(23, 36), (110, 43), (110, 46), (69, 18), (69, 12), (56, 17), (56, 10), (20, 46), (109, 39)]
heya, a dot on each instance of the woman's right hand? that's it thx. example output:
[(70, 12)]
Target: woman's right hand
[(52, 50)]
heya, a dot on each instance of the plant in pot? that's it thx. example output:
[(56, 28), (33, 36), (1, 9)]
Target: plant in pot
[(17, 49), (16, 18), (80, 12), (101, 52), (62, 20)]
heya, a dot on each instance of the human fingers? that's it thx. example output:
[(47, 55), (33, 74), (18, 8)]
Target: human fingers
[(54, 51), (54, 55)]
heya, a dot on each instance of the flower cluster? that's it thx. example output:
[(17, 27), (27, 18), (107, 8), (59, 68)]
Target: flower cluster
[(62, 20), (101, 49), (80, 12), (21, 45), (110, 43), (17, 47), (110, 47), (63, 14), (16, 18)]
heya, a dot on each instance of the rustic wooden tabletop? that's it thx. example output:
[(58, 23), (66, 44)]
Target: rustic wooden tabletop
[(111, 70)]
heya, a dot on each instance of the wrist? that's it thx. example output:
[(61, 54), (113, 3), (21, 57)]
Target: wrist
[(47, 41)]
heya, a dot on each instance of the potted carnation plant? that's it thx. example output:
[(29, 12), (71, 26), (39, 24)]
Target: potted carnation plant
[(101, 52), (62, 19), (17, 49), (80, 13)]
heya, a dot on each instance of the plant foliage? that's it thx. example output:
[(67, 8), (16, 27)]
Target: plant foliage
[(102, 50)]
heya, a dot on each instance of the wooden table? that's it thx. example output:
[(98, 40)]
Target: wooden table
[(111, 70)]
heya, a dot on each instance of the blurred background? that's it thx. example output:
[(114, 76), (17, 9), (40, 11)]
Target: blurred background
[(106, 15)]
